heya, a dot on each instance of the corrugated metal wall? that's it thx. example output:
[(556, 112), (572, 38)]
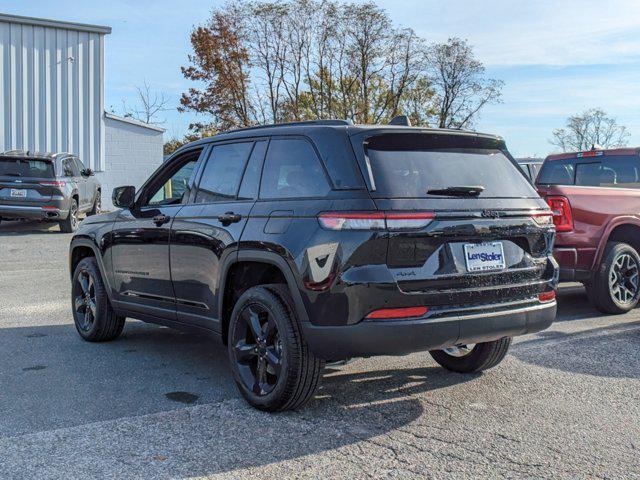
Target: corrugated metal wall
[(52, 90)]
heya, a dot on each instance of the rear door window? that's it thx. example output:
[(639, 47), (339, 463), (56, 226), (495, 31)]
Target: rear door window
[(222, 174), (293, 170), (18, 167)]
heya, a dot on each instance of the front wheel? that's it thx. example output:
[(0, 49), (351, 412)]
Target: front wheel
[(97, 205), (471, 358), (93, 315), (271, 362), (614, 287)]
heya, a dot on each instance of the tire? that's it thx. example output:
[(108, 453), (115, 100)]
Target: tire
[(93, 315), (285, 384), (481, 356), (97, 204), (623, 294), (70, 224)]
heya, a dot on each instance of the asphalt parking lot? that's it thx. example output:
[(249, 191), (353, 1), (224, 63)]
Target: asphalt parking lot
[(161, 404)]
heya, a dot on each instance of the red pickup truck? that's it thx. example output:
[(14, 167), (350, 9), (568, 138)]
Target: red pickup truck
[(595, 198)]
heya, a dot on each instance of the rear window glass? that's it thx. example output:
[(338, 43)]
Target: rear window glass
[(411, 173), (18, 167), (615, 171)]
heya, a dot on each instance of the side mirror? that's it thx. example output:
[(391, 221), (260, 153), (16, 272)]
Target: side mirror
[(124, 197), (87, 172)]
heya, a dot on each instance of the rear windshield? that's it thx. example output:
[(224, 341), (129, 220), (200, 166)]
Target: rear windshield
[(615, 171), (20, 167), (411, 173)]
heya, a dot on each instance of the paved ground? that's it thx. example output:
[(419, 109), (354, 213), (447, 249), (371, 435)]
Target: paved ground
[(160, 404)]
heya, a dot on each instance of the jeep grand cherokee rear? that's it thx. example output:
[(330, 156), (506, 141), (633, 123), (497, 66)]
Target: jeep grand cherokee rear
[(319, 241)]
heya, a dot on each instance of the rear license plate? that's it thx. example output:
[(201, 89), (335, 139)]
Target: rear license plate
[(482, 257), (18, 193)]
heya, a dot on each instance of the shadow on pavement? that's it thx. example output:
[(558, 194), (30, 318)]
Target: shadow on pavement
[(599, 351), (17, 228)]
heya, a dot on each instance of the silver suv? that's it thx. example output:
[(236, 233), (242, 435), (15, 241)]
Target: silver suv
[(52, 187)]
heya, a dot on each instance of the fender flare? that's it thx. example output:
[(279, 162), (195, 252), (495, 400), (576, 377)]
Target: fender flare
[(272, 259), (610, 227), (87, 242)]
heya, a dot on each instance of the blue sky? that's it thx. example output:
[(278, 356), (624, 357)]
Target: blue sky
[(556, 58)]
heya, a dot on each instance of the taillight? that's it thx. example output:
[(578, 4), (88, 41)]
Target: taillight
[(544, 219), (562, 215), (52, 184), (391, 313), (375, 220), (549, 296)]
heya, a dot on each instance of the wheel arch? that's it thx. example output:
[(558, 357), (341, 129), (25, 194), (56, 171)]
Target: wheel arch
[(622, 229), (267, 267), (83, 248)]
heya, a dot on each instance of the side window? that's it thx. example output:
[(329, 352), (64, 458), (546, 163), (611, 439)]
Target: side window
[(69, 168), (621, 172), (171, 190), (292, 170), (222, 173), (79, 165), (251, 178)]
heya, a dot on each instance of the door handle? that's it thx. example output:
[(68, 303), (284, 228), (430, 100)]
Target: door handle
[(229, 218), (161, 219)]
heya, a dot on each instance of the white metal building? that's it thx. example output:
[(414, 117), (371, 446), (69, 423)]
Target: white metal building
[(52, 99)]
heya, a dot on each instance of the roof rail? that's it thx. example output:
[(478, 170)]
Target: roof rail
[(330, 122)]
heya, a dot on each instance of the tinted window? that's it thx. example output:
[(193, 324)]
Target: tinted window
[(409, 173), (292, 170), (609, 171), (171, 191), (251, 179), (557, 172), (69, 168), (17, 167), (221, 177)]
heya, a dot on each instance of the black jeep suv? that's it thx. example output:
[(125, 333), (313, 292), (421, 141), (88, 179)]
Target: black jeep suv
[(303, 243)]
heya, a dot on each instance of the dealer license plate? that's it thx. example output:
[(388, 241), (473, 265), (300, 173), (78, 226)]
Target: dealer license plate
[(483, 257)]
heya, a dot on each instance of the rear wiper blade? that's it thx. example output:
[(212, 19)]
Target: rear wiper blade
[(12, 174), (460, 191)]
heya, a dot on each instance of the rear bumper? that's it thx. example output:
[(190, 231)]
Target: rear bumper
[(32, 213), (399, 337)]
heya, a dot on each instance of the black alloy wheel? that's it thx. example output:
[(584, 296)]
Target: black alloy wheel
[(258, 350), (84, 300)]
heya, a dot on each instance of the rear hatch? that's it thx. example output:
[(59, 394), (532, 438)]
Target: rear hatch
[(485, 234), (26, 181)]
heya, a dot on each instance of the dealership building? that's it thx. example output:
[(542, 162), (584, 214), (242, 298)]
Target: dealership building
[(52, 100)]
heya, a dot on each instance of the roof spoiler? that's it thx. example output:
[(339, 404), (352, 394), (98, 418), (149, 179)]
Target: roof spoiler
[(402, 120)]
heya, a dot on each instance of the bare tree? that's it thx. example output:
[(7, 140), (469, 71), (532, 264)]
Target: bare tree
[(589, 128), (459, 83), (150, 104)]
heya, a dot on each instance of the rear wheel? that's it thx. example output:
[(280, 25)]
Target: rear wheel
[(272, 364), (475, 357), (615, 286), (70, 224), (93, 315)]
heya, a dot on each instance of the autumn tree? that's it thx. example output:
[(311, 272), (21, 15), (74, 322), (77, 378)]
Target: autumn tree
[(148, 107), (589, 128), (459, 83), (260, 61), (220, 63)]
